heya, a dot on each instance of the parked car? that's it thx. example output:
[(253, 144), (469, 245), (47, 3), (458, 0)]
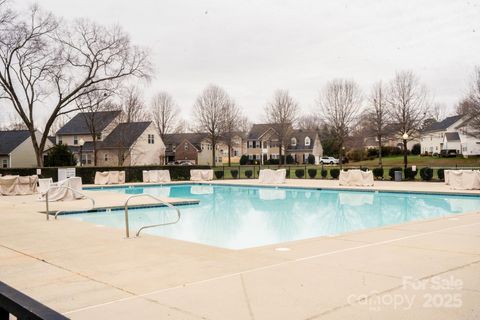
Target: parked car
[(447, 153), (185, 163), (328, 160)]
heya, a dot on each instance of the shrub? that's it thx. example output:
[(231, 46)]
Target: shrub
[(243, 160), (372, 152), (312, 173), (290, 159), (300, 173), (60, 156), (441, 174), (410, 174), (334, 173), (234, 173), (416, 149), (248, 173), (272, 161), (391, 151), (324, 173), (357, 154), (391, 172), (378, 173), (219, 174), (311, 159), (426, 173)]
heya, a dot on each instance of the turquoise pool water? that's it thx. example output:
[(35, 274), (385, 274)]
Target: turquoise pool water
[(238, 217)]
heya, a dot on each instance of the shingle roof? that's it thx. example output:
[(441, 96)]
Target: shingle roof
[(452, 136), (81, 122), (300, 135), (9, 140), (177, 138), (444, 124), (124, 135), (259, 129)]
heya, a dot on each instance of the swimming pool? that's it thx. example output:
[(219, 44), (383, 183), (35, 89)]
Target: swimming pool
[(238, 217)]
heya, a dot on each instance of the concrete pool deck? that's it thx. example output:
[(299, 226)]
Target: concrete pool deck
[(393, 272)]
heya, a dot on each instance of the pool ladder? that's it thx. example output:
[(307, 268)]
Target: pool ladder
[(127, 227), (68, 188)]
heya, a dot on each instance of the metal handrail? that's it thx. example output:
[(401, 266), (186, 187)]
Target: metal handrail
[(127, 227), (68, 188)]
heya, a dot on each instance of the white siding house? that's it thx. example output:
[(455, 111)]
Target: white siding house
[(452, 133)]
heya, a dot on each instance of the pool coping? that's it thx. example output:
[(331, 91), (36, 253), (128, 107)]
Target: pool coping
[(281, 186)]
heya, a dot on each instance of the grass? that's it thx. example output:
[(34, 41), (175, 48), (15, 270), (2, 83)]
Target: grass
[(389, 162), (427, 161)]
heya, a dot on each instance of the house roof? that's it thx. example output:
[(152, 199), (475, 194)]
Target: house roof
[(124, 135), (452, 136), (259, 130), (177, 138), (81, 122), (300, 135), (444, 124), (11, 139)]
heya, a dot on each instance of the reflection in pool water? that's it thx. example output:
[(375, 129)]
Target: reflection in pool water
[(238, 217)]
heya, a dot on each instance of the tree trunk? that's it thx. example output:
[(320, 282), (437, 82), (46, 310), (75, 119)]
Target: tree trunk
[(213, 152), (379, 150), (229, 155), (94, 151)]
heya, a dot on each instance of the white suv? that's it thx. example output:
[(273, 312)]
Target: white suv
[(328, 160)]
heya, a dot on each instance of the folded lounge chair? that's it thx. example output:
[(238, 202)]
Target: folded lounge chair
[(201, 175)]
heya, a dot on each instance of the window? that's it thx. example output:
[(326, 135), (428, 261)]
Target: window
[(174, 147), (250, 144), (186, 146), (293, 142), (99, 136), (75, 140), (5, 163), (307, 141), (250, 157), (265, 144), (105, 157), (60, 140), (151, 139)]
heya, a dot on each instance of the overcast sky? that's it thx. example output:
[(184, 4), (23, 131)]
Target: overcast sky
[(251, 48)]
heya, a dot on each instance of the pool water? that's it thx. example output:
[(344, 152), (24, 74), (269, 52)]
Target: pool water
[(238, 217)]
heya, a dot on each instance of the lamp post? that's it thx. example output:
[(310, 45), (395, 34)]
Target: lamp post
[(81, 142), (405, 161)]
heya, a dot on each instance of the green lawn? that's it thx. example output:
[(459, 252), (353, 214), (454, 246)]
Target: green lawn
[(388, 163), (427, 161)]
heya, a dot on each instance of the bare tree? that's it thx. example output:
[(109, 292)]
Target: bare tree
[(471, 106), (309, 122), (232, 125), (43, 67), (377, 115), (132, 104), (340, 103), (408, 106), (209, 111), (164, 113), (94, 104), (283, 112)]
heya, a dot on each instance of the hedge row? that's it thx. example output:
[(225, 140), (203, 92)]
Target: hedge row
[(132, 174)]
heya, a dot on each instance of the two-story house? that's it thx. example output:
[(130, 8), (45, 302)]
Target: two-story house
[(263, 144), (452, 133), (116, 144), (197, 148), (304, 143), (16, 149), (85, 126)]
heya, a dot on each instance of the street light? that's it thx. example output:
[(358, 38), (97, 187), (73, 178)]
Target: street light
[(405, 161), (81, 142)]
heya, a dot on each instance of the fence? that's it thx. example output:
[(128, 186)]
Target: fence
[(179, 173)]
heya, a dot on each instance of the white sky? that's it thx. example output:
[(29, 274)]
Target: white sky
[(251, 48)]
